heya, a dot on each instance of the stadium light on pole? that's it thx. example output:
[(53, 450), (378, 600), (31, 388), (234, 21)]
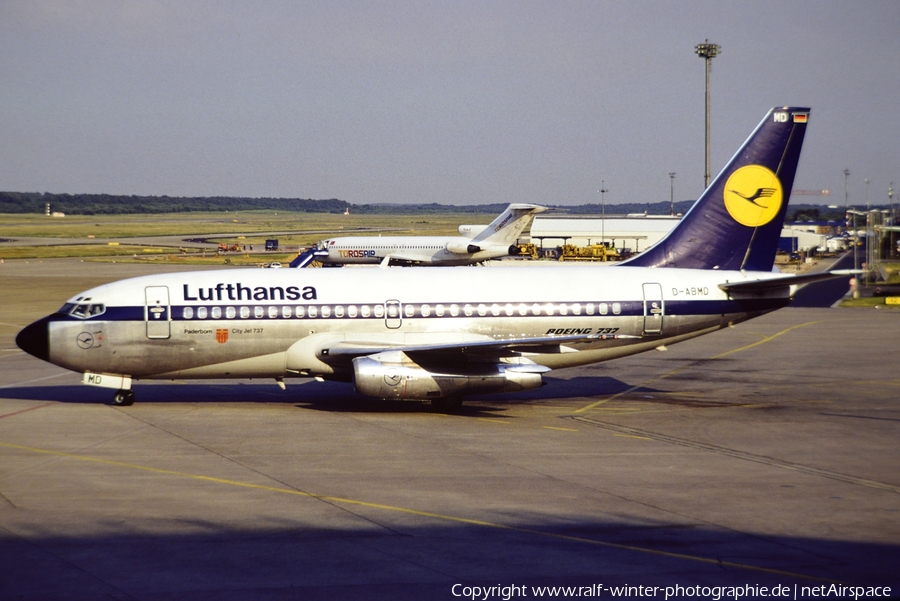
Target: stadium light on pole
[(672, 190), (602, 192), (846, 194), (707, 52)]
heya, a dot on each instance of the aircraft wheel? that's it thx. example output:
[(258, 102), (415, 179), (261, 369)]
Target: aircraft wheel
[(123, 398), (446, 404)]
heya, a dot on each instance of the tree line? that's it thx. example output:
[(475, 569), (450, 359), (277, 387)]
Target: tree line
[(109, 204)]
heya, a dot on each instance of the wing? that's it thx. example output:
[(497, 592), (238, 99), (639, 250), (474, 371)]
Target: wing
[(463, 349)]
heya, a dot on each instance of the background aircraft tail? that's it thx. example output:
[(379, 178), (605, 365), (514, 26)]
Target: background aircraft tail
[(509, 225), (737, 221)]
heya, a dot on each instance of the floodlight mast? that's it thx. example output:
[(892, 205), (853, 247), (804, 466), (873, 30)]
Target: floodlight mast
[(707, 52), (672, 191)]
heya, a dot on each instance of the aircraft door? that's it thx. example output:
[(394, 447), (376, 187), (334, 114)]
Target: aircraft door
[(654, 309), (393, 318), (157, 312)]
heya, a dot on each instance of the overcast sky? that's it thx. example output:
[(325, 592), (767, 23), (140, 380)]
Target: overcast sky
[(448, 102)]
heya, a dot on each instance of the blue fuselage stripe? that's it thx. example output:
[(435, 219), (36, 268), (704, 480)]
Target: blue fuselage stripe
[(320, 311)]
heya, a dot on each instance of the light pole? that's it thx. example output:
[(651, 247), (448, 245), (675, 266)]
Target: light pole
[(855, 248), (707, 52), (892, 250), (602, 191), (867, 193), (846, 195), (672, 191)]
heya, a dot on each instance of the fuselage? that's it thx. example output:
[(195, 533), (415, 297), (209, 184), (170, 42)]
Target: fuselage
[(275, 323), (429, 250)]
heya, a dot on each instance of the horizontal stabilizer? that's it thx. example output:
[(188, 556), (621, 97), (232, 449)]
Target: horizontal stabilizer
[(785, 281)]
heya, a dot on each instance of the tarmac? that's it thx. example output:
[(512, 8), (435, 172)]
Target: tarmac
[(761, 456)]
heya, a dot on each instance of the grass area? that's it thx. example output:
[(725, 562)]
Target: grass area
[(868, 301), (306, 228), (184, 224), (77, 250), (236, 259)]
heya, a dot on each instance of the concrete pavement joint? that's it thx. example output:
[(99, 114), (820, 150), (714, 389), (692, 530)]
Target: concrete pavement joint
[(426, 514)]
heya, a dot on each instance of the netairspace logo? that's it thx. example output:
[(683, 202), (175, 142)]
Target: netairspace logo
[(711, 593)]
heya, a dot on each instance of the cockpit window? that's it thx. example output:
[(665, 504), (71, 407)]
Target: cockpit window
[(83, 310)]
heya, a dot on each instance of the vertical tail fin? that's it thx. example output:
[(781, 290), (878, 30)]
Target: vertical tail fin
[(737, 221), (506, 228)]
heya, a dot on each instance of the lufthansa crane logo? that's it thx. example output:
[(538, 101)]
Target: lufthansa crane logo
[(753, 195), (85, 340)]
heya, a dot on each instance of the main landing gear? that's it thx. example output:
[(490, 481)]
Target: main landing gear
[(450, 404), (123, 398)]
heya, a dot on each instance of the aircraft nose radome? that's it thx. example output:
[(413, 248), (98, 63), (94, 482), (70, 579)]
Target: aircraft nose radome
[(35, 339)]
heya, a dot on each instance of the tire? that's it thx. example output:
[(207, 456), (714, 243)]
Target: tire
[(123, 398)]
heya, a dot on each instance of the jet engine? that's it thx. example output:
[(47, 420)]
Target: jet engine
[(393, 375), (463, 248)]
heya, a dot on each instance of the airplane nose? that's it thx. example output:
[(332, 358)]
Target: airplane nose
[(35, 339)]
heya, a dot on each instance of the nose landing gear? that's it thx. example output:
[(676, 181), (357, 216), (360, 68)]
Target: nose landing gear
[(123, 398)]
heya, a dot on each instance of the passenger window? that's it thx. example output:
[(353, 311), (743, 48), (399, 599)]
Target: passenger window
[(365, 311), (379, 310), (187, 313), (258, 312), (201, 313), (351, 311), (230, 312), (604, 308), (299, 311), (326, 311), (339, 311), (617, 308), (216, 312), (273, 312), (245, 312)]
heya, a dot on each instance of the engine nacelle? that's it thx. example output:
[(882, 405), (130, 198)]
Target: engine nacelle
[(463, 248), (398, 379)]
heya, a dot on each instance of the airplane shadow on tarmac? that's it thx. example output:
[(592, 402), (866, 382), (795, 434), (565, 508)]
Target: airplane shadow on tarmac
[(289, 559), (321, 396)]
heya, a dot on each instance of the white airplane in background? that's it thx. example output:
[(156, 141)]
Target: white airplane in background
[(437, 334), (493, 241)]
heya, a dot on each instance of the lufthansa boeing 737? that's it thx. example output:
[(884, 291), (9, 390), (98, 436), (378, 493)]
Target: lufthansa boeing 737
[(494, 241), (437, 334)]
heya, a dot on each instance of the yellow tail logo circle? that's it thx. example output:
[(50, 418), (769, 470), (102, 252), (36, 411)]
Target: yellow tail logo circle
[(753, 195)]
